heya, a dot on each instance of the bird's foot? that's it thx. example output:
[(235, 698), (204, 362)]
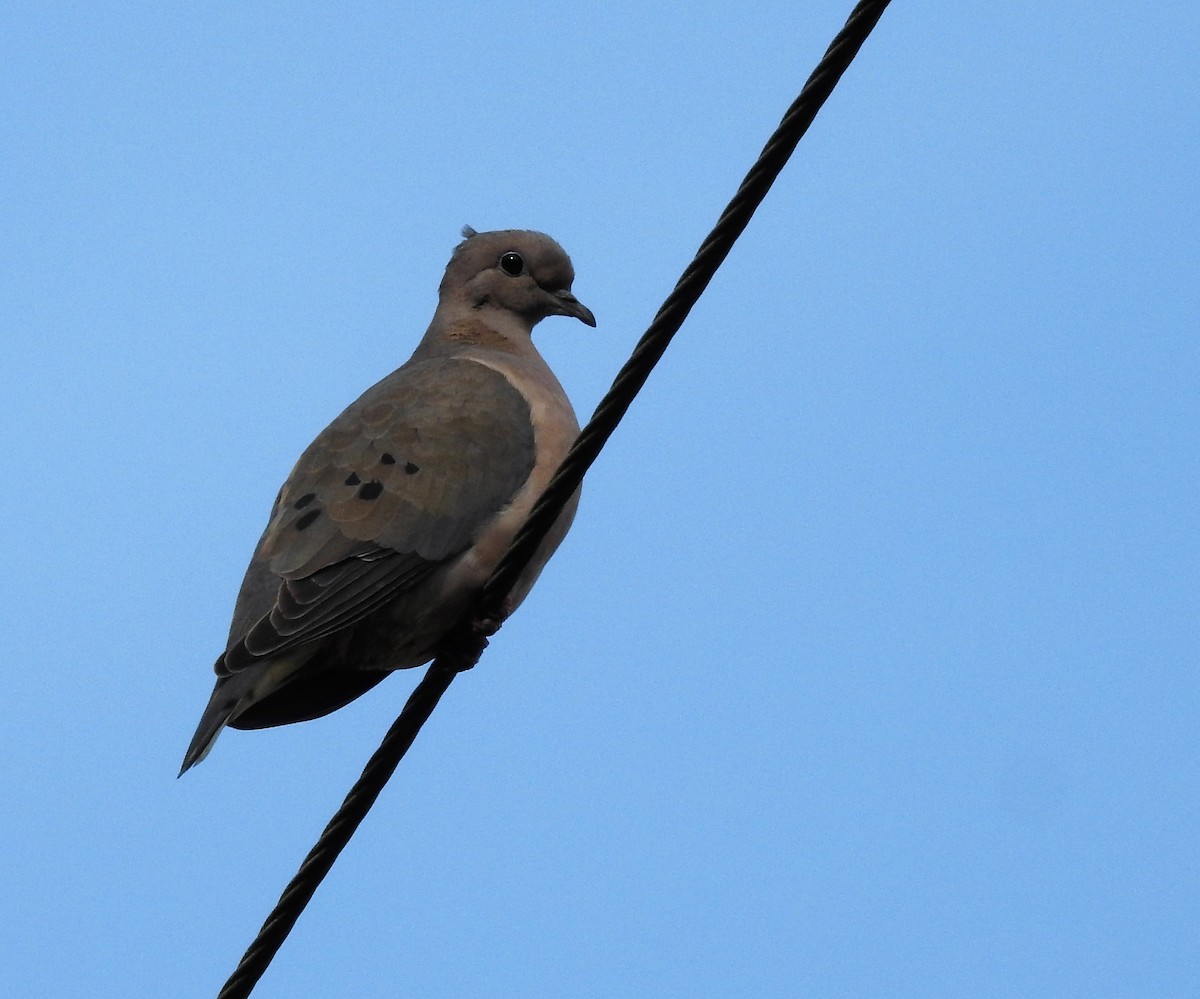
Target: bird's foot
[(461, 650), (488, 624)]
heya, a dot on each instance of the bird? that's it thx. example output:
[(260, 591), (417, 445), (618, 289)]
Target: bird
[(389, 524)]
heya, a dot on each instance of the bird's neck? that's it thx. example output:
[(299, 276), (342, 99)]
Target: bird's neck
[(478, 329)]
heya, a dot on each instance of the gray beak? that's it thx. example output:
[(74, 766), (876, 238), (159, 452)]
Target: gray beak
[(569, 305)]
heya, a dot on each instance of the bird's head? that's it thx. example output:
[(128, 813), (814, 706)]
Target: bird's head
[(513, 270)]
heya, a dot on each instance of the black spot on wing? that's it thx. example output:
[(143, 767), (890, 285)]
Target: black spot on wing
[(303, 501), (352, 479), (387, 459), (410, 468), (307, 519), (370, 490)]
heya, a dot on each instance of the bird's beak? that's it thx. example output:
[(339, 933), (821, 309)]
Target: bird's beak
[(569, 305)]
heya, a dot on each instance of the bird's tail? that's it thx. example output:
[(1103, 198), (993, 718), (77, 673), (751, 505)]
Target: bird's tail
[(231, 696), (216, 716)]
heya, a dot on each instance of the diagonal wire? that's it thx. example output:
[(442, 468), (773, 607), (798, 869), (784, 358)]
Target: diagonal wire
[(567, 479)]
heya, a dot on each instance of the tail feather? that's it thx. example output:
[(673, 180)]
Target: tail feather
[(216, 716), (231, 696)]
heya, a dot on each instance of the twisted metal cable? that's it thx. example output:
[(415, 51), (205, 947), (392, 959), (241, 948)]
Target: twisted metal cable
[(567, 479)]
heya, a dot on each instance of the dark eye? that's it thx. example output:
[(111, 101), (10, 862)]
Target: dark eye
[(512, 264)]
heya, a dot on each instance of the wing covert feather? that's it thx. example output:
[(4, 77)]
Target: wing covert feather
[(401, 481)]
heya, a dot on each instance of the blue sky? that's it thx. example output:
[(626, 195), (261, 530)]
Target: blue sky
[(869, 665)]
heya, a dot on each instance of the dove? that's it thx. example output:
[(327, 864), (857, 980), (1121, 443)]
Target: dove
[(394, 517)]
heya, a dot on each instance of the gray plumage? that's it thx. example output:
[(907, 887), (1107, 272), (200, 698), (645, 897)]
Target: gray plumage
[(397, 513)]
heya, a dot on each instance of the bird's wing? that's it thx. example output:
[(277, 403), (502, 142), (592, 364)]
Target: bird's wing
[(406, 478)]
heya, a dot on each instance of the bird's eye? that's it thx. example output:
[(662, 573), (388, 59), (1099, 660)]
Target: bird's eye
[(512, 264)]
